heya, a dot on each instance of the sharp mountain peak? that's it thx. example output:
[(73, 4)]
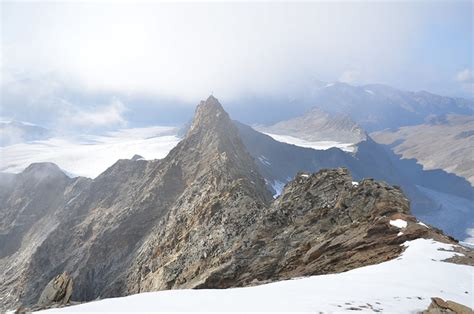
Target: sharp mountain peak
[(209, 115)]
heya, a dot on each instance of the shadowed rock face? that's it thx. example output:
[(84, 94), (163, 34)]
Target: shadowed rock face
[(201, 218), (35, 193)]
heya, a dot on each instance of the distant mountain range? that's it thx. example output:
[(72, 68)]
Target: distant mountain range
[(446, 142), (378, 107), (373, 107), (317, 125)]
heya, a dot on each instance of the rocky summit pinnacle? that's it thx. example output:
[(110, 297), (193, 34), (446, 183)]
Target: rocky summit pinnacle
[(209, 115)]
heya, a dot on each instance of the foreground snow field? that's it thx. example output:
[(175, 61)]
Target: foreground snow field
[(90, 155), (403, 285), (319, 145)]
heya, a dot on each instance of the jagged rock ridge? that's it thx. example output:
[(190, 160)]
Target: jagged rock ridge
[(199, 218)]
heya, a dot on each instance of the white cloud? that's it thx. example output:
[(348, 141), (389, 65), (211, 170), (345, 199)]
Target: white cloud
[(466, 79), (187, 50), (465, 75), (102, 116)]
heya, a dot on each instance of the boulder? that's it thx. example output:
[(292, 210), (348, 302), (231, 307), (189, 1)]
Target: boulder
[(439, 306), (57, 291)]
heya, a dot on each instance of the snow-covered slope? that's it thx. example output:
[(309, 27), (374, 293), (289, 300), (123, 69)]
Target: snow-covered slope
[(403, 285), (90, 155), (318, 145)]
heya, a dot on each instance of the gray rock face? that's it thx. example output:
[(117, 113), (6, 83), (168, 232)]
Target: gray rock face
[(100, 231), (58, 290), (35, 192), (33, 205), (199, 218), (321, 224), (224, 195)]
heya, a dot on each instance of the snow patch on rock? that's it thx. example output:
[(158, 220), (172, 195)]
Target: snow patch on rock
[(399, 223), (422, 224), (278, 187)]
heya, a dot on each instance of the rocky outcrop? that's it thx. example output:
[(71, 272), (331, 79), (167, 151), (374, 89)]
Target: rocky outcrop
[(436, 197), (58, 290), (201, 218), (322, 223), (439, 306)]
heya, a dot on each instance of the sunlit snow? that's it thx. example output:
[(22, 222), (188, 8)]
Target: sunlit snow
[(90, 155), (402, 285), (399, 223), (278, 186), (264, 160), (422, 224), (318, 145)]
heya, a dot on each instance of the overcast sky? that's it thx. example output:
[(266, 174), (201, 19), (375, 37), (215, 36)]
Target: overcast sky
[(79, 59)]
